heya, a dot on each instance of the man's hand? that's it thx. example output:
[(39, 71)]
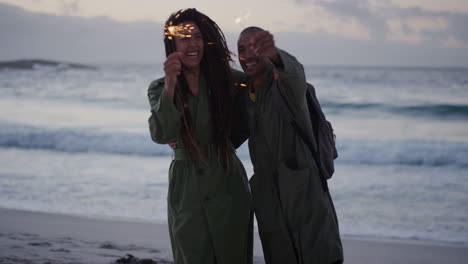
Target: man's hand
[(173, 144), (172, 68), (264, 46)]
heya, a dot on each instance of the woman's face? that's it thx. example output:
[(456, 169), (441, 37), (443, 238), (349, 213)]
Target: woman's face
[(189, 42)]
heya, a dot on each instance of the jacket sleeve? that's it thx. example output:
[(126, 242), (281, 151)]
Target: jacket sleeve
[(292, 81), (164, 122)]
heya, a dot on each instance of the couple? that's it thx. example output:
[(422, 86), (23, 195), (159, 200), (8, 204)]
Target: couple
[(209, 109)]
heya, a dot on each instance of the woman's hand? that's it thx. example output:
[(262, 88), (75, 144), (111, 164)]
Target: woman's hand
[(172, 68)]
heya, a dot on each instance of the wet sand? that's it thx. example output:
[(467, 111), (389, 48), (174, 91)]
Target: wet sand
[(33, 237)]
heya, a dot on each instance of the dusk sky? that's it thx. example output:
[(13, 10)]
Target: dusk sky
[(330, 32)]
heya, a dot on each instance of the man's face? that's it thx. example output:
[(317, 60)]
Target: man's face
[(251, 64)]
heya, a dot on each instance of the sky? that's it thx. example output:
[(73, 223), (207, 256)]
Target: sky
[(325, 32)]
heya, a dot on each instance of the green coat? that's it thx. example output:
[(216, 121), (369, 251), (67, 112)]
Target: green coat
[(297, 220), (209, 208)]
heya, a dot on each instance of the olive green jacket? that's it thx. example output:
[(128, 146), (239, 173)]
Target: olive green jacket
[(209, 207), (296, 218)]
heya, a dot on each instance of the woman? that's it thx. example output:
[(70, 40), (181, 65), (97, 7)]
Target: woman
[(209, 204)]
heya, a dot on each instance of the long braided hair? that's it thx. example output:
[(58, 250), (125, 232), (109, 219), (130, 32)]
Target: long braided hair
[(217, 73)]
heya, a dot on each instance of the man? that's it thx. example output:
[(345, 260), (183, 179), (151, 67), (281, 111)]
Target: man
[(296, 217)]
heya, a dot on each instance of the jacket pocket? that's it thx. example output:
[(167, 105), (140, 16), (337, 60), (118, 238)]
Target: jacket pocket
[(293, 185)]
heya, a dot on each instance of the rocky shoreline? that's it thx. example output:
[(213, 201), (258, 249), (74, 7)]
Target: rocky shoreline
[(32, 64)]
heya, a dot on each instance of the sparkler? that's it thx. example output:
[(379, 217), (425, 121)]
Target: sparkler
[(169, 40), (242, 19), (172, 31), (182, 31)]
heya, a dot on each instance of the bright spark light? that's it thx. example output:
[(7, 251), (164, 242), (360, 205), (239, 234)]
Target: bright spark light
[(241, 20), (182, 31)]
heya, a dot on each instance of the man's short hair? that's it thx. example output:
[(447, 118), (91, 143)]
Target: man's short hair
[(249, 30)]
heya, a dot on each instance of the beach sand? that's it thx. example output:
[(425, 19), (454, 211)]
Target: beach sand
[(33, 237)]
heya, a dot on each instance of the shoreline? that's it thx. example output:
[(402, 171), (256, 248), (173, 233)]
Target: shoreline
[(37, 237), (416, 241)]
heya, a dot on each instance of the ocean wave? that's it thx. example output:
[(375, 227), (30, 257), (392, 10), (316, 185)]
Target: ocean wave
[(79, 140), (441, 110), (406, 152), (450, 111)]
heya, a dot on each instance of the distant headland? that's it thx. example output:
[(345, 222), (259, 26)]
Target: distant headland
[(31, 64)]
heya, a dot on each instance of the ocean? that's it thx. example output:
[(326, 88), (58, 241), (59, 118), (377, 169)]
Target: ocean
[(76, 142)]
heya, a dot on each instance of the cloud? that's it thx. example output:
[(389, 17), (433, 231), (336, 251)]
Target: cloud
[(454, 43), (411, 30), (97, 39), (406, 21), (100, 39), (349, 28), (324, 49), (319, 17), (69, 7), (399, 32), (451, 6), (350, 18)]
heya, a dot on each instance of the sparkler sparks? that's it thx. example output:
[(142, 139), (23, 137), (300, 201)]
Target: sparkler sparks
[(241, 84), (182, 31), (170, 32), (241, 20)]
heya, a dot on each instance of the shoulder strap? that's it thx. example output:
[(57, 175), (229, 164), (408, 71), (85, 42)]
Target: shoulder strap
[(280, 100)]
